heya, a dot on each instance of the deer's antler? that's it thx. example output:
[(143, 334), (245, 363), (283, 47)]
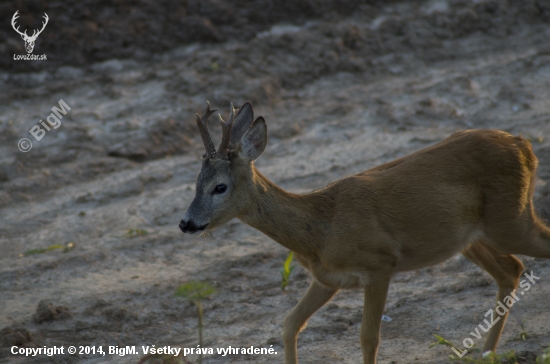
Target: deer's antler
[(37, 32), (24, 34), (203, 128), (226, 129), (13, 19)]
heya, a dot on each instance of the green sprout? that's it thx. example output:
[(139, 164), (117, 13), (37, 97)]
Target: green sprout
[(544, 358), (494, 358), (287, 269), (523, 335), (214, 67), (487, 358), (196, 292), (132, 233), (64, 248), (441, 341)]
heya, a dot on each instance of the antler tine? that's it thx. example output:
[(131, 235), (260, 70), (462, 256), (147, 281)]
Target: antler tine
[(203, 128), (13, 20), (44, 23), (226, 130)]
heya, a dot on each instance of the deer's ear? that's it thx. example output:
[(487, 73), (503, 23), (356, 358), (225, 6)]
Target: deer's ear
[(253, 142), (243, 121)]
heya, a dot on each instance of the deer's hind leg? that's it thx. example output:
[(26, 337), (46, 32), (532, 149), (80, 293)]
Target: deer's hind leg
[(506, 270)]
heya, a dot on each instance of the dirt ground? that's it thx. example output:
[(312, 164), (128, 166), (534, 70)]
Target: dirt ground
[(343, 85)]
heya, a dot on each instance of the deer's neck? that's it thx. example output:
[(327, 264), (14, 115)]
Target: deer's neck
[(298, 222)]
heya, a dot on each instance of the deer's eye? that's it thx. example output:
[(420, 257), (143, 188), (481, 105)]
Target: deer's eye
[(220, 189)]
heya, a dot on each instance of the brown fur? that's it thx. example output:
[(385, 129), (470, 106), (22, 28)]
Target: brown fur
[(471, 193)]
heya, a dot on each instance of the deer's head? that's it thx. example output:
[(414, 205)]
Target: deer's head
[(29, 40), (226, 174)]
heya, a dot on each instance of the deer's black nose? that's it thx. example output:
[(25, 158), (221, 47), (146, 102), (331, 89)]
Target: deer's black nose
[(190, 226), (183, 225)]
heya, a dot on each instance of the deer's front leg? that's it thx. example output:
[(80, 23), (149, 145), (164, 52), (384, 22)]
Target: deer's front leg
[(315, 297), (373, 308)]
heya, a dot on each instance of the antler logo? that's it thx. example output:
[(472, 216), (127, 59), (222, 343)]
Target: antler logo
[(29, 41)]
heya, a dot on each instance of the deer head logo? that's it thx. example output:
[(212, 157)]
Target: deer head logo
[(29, 41)]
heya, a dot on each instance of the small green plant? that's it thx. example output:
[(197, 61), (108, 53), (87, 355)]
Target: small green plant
[(508, 357), (544, 358), (523, 335), (132, 233), (214, 67), (287, 269), (64, 248), (196, 292), (441, 341)]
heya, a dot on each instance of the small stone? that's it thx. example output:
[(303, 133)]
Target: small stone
[(48, 312)]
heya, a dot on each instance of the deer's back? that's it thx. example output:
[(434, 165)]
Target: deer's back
[(431, 204)]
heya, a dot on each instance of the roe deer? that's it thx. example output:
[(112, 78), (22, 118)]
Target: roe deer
[(471, 193)]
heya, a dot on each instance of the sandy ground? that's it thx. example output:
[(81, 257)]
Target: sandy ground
[(341, 92)]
